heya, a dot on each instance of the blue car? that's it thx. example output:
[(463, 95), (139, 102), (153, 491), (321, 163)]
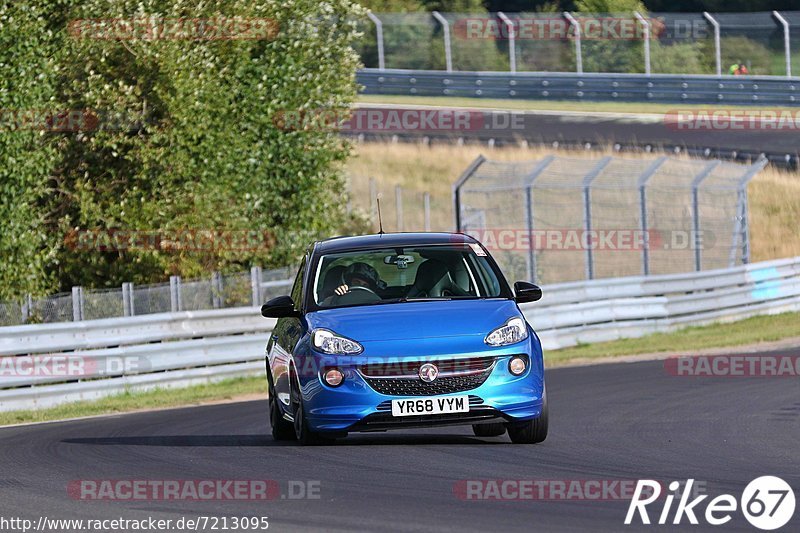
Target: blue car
[(403, 330)]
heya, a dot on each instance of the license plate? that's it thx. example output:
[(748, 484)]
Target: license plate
[(430, 406)]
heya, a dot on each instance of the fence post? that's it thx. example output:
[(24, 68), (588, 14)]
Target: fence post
[(127, 299), (578, 53), (787, 43), (707, 170), (216, 290), (587, 212), (642, 182), (742, 227), (175, 294), (398, 198), (373, 199), (448, 57), (717, 50), (460, 183), (530, 178), (379, 38), (77, 304), (646, 27), (512, 47), (27, 308), (426, 208), (255, 285)]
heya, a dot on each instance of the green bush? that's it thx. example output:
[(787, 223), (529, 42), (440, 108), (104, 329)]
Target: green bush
[(27, 84), (210, 154)]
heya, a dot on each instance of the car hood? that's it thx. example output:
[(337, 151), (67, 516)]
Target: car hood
[(416, 320)]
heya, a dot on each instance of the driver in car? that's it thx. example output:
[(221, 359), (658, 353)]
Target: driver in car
[(361, 281)]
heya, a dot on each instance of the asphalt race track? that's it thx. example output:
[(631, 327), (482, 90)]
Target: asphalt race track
[(607, 129), (610, 422)]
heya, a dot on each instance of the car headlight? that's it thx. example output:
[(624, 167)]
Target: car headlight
[(511, 332), (329, 342)]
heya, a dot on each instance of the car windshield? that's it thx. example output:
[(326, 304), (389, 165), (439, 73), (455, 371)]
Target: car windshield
[(396, 275)]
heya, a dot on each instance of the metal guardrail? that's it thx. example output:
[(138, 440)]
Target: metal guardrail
[(660, 88), (185, 348)]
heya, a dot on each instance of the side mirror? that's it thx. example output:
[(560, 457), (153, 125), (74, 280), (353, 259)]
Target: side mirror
[(526, 292), (279, 307)]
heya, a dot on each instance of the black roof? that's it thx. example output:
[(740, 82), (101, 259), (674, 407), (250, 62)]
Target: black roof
[(389, 240)]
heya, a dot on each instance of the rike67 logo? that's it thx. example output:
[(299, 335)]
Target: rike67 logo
[(767, 502)]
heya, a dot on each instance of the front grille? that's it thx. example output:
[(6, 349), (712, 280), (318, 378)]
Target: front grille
[(453, 378)]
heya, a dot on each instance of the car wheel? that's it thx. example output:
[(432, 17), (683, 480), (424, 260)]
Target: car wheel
[(282, 429), (489, 430), (303, 433), (531, 431)]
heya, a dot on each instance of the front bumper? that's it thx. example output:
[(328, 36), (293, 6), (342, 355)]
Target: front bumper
[(356, 406)]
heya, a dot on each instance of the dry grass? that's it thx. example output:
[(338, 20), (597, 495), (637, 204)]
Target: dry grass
[(774, 195), (774, 201)]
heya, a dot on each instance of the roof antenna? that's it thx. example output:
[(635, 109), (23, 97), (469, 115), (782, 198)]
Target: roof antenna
[(380, 220)]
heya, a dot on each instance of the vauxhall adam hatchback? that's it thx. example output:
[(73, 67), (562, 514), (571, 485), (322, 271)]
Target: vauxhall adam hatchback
[(403, 330)]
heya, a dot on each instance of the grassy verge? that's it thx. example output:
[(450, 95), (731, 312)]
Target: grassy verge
[(134, 401), (540, 105), (740, 333)]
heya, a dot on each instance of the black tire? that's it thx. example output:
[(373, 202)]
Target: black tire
[(282, 429), (303, 433), (489, 430), (531, 431)]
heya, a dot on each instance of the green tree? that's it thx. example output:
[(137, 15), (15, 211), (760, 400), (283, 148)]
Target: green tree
[(27, 91), (211, 153)]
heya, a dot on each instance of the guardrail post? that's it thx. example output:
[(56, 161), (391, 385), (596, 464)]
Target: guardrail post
[(717, 50), (512, 46), (175, 294), (127, 299), (642, 182), (379, 38), (426, 208), (578, 53), (448, 57), (537, 170), (787, 44), (587, 212), (698, 179), (646, 27), (77, 304), (255, 284), (471, 169), (216, 290)]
